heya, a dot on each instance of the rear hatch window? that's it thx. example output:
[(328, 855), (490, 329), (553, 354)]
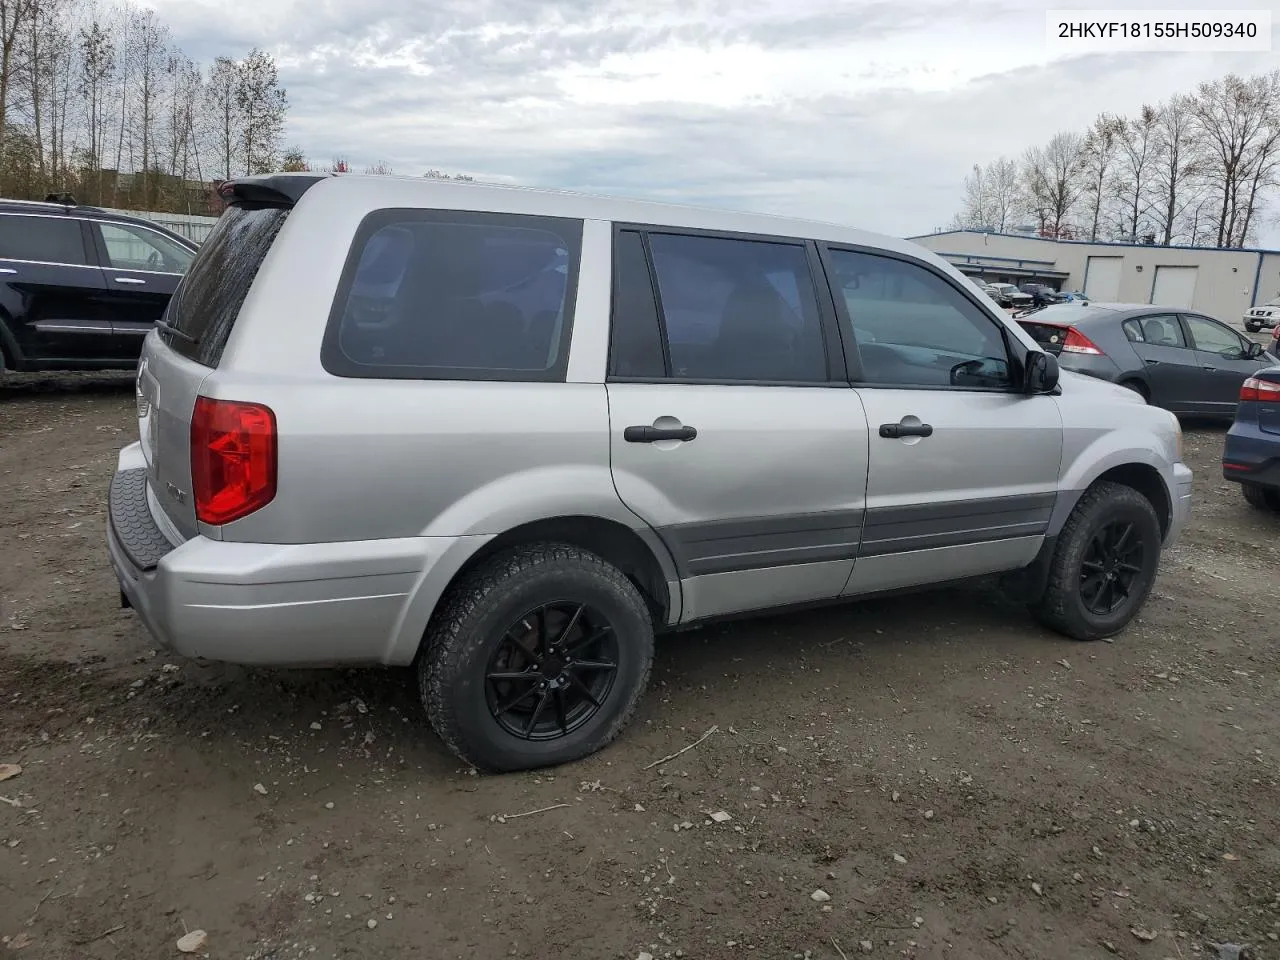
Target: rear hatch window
[(1048, 335), (208, 300)]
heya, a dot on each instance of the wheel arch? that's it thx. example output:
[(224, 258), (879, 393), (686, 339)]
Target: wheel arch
[(1146, 480), (639, 554)]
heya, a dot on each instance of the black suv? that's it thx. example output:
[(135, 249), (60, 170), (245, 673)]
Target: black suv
[(80, 287), (1041, 294)]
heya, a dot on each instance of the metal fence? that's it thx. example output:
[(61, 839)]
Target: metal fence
[(194, 228)]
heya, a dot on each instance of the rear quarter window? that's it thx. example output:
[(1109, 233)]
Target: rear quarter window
[(205, 306), (448, 295)]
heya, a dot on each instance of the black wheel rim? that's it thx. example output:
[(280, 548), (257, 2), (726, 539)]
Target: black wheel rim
[(552, 671), (1112, 567)]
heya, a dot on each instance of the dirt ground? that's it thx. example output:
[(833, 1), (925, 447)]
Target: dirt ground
[(958, 782)]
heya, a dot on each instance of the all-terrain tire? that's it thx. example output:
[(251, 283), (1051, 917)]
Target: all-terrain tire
[(1063, 607), (470, 624), (1261, 497)]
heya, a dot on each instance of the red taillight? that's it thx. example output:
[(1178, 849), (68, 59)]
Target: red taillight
[(1077, 342), (233, 459), (1260, 391)]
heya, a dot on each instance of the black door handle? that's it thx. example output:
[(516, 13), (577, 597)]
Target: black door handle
[(654, 434), (895, 431)]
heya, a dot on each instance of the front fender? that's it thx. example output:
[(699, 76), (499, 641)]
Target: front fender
[(1087, 458)]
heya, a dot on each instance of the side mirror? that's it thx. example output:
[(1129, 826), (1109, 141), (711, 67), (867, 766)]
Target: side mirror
[(1254, 350), (1041, 372)]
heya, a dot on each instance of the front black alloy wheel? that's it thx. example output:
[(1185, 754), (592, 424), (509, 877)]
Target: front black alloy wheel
[(1112, 567), (535, 658), (1104, 563)]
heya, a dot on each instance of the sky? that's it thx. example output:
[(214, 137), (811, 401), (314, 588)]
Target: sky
[(863, 112)]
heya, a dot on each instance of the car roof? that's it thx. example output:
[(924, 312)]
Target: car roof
[(380, 191), (1090, 311), (83, 212)]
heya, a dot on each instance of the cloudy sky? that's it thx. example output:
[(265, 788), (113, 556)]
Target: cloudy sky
[(860, 111)]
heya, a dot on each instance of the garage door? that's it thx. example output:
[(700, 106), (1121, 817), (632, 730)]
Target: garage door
[(1174, 287), (1102, 279)]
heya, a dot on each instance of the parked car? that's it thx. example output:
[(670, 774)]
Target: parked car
[(1251, 456), (1266, 315), (80, 287), (1041, 294), (1007, 295), (1184, 362), (1069, 296), (380, 424)]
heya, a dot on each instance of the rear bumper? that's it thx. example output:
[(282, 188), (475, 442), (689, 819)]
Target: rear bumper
[(1251, 454), (275, 604)]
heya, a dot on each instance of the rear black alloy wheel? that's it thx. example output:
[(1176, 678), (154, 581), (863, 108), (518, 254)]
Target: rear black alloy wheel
[(552, 670), (1104, 563), (535, 658)]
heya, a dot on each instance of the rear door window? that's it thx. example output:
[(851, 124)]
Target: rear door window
[(456, 295), (208, 300), (42, 240), (738, 309), (1161, 330)]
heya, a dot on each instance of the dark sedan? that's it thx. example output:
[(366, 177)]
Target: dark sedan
[(1251, 456), (1179, 360)]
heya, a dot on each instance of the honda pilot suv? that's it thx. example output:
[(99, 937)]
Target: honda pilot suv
[(505, 435)]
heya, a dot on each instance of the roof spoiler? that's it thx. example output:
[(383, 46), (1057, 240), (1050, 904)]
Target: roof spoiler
[(277, 189)]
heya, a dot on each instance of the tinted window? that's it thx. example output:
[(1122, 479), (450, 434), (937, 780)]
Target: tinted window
[(738, 310), (43, 239), (1214, 338), (1133, 330), (1161, 330), (136, 248), (456, 296), (635, 347), (209, 298), (915, 329)]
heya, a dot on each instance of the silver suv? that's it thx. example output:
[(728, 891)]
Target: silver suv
[(505, 435)]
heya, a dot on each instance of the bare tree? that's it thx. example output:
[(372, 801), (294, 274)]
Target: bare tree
[(263, 105), (1097, 155), (1003, 191), (97, 64), (1050, 175), (974, 214), (1172, 168), (226, 120), (1262, 161), (1232, 118), (1136, 148), (15, 19), (381, 168)]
